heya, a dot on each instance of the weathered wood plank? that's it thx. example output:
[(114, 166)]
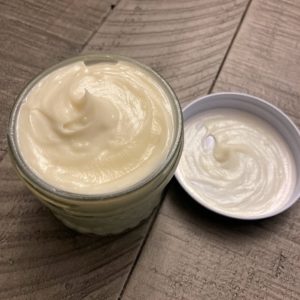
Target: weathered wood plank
[(194, 254), (265, 60)]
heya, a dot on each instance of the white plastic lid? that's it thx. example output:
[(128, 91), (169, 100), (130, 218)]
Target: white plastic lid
[(262, 109)]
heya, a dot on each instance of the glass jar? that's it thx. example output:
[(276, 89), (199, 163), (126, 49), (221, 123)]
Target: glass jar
[(101, 214)]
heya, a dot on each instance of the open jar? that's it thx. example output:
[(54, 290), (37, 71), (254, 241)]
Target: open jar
[(89, 210)]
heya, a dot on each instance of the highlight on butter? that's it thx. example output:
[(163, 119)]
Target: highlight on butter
[(97, 138)]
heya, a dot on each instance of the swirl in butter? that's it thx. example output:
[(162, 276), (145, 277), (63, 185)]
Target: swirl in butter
[(236, 163), (93, 129)]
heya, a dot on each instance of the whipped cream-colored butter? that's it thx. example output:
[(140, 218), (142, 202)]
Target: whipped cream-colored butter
[(95, 128), (236, 163)]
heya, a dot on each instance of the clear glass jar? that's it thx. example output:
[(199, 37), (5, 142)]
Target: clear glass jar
[(102, 214)]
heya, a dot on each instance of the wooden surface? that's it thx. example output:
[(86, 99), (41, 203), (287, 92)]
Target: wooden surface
[(199, 46)]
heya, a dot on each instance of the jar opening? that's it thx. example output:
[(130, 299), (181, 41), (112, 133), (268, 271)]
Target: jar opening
[(91, 59)]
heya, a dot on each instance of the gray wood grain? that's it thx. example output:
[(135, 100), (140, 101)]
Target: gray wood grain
[(184, 40), (265, 59), (194, 254)]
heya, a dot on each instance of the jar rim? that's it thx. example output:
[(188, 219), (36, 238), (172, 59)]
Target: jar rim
[(95, 57)]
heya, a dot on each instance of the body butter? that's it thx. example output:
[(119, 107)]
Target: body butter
[(95, 129)]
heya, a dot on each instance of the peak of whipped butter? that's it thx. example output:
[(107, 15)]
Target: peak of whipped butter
[(95, 129)]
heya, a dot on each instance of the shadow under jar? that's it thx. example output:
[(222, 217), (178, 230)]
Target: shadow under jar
[(41, 144)]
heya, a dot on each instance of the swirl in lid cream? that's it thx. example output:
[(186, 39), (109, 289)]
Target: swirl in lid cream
[(95, 129), (236, 162)]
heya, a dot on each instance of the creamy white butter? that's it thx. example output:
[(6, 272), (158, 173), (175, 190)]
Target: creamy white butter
[(236, 163), (95, 129)]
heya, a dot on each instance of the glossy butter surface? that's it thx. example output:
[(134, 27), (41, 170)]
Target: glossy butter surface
[(95, 129)]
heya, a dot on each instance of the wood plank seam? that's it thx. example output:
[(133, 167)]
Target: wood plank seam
[(144, 240), (109, 12), (230, 47)]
